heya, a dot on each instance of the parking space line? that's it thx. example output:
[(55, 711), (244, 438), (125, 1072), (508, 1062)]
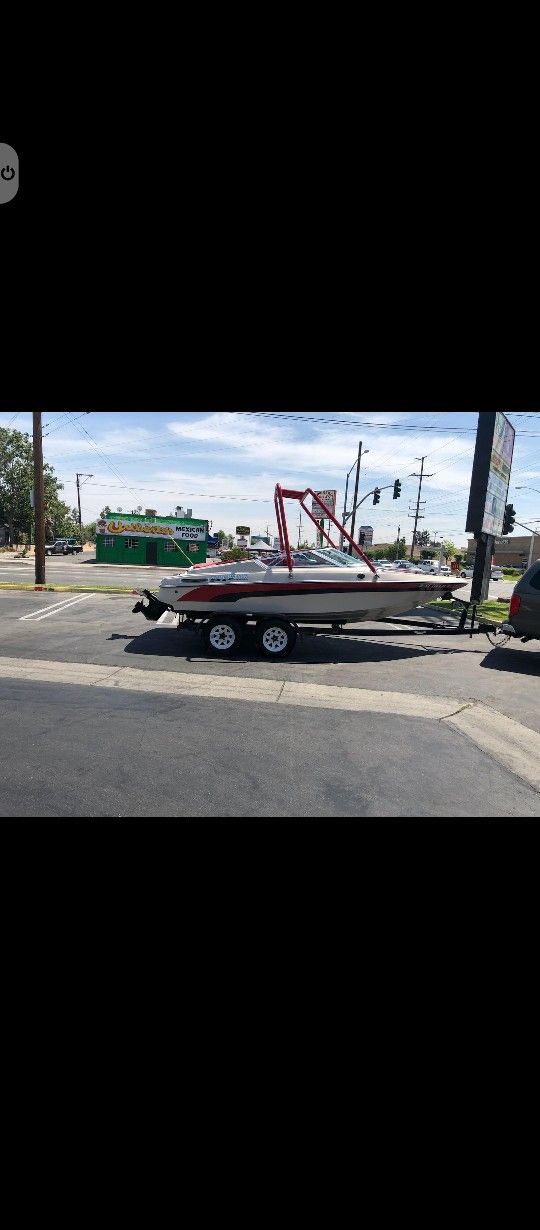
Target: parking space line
[(50, 607), (65, 607), (54, 608)]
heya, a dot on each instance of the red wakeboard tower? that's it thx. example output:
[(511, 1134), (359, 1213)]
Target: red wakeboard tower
[(283, 493)]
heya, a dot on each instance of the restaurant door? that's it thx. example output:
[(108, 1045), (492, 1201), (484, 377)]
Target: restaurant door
[(151, 551)]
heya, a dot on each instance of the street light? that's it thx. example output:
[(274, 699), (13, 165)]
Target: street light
[(436, 535), (346, 515), (528, 489)]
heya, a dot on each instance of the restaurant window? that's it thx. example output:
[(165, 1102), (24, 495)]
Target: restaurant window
[(109, 542), (132, 542), (170, 546)]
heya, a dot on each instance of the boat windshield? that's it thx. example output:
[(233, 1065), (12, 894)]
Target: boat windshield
[(341, 558), (303, 559)]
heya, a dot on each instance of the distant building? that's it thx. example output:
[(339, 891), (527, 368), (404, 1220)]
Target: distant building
[(130, 538), (510, 552)]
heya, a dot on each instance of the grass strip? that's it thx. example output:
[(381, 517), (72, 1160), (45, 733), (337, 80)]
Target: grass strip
[(491, 609)]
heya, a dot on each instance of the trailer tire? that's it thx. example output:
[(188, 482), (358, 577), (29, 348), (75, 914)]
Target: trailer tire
[(275, 638), (222, 636)]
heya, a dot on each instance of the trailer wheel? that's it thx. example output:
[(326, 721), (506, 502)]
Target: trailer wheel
[(275, 638), (222, 636)]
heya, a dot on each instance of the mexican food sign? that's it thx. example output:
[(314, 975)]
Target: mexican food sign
[(123, 527), (491, 473)]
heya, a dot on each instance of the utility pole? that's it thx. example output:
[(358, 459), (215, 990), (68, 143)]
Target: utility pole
[(39, 500), (421, 476), (397, 540), (355, 493), (78, 476), (299, 527)]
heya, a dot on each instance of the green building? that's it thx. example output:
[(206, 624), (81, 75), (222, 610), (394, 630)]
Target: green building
[(127, 538)]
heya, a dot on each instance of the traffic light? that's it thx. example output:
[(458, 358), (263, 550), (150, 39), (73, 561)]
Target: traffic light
[(361, 538), (509, 519), (376, 495), (397, 490)]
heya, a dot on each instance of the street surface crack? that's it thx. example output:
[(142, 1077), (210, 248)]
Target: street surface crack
[(281, 692), (469, 704), (105, 679)]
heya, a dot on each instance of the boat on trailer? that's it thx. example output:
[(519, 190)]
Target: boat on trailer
[(280, 590)]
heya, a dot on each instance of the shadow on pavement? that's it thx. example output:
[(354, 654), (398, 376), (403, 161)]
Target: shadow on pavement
[(167, 642), (513, 660)]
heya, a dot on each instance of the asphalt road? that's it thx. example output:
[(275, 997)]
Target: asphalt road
[(75, 752), (225, 756)]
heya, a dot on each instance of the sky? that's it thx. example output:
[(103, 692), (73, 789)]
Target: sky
[(224, 465)]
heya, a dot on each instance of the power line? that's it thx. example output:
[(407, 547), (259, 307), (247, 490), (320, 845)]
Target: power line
[(208, 495), (106, 459), (278, 417), (59, 421)]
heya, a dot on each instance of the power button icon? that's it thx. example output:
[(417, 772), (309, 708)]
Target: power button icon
[(9, 172)]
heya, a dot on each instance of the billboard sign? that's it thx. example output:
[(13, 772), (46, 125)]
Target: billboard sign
[(491, 473), (243, 530), (368, 531), (122, 527), (329, 498)]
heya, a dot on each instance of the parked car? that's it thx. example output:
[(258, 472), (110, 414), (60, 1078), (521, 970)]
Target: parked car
[(428, 565), (497, 574), (466, 572), (63, 546), (524, 612)]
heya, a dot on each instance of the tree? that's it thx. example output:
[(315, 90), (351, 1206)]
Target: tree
[(105, 512), (235, 553), (221, 537), (89, 532), (396, 550), (423, 538), (448, 549), (16, 484)]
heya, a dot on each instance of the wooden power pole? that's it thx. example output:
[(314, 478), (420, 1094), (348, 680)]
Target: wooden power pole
[(39, 500)]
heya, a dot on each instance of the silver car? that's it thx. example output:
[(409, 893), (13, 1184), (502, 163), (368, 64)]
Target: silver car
[(524, 613)]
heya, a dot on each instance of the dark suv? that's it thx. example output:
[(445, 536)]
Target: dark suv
[(524, 613)]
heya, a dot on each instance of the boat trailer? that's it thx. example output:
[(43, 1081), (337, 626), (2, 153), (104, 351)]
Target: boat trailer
[(467, 624)]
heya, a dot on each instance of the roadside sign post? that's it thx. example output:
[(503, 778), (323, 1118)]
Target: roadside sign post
[(489, 492)]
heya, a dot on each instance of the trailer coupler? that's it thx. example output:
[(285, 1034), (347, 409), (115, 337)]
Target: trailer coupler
[(154, 609)]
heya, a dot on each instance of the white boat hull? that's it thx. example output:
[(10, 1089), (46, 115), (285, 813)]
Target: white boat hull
[(332, 596)]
